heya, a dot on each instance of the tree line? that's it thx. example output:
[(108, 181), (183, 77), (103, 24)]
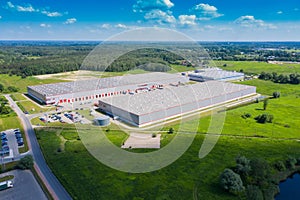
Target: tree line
[(4, 108), (280, 78), (35, 58)]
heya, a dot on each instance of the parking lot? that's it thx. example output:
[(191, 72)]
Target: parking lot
[(65, 117), (25, 187), (11, 141)]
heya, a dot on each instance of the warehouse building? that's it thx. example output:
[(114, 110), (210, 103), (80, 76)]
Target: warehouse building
[(215, 73), (171, 101), (93, 89)]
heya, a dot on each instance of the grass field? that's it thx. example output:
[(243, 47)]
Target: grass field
[(189, 177), (33, 108), (18, 97), (86, 178), (22, 83), (258, 67)]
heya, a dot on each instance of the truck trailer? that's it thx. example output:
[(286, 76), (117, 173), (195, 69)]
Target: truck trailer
[(5, 185)]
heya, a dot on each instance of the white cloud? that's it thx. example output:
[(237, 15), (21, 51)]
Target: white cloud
[(122, 26), (160, 16), (51, 14), (187, 19), (10, 5), (147, 5), (206, 11), (106, 26), (279, 12), (250, 21), (45, 25), (28, 8), (70, 21)]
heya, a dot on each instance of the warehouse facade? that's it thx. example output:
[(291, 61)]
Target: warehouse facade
[(173, 100), (215, 73), (94, 89)]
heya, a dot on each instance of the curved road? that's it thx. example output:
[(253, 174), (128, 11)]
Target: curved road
[(53, 185)]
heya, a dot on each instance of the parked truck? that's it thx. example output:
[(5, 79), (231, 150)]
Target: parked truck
[(5, 185)]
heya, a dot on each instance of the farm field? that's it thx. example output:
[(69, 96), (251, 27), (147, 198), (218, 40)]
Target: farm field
[(189, 176), (254, 67)]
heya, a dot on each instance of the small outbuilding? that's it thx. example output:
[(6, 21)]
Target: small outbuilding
[(102, 121)]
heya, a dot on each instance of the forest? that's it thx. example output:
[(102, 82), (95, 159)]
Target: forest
[(26, 58), (280, 78)]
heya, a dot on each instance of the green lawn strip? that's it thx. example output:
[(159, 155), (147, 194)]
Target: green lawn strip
[(6, 178), (180, 68), (18, 97), (254, 67), (8, 166), (33, 108)]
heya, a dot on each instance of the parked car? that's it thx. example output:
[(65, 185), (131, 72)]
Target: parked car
[(20, 143), (18, 136), (20, 140), (5, 147), (4, 143)]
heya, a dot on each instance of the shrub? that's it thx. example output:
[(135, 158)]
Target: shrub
[(25, 163), (276, 95), (246, 115), (242, 166), (264, 118), (12, 89), (279, 166), (254, 193), (171, 131), (1, 88), (270, 191), (231, 181), (260, 171), (290, 163), (298, 161)]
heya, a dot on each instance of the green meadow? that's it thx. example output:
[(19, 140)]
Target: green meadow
[(254, 67), (22, 83)]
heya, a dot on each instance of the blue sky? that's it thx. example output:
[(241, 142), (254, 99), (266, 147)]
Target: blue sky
[(210, 20)]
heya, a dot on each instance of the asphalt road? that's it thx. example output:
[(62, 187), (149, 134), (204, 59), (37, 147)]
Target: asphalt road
[(50, 180), (25, 187)]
